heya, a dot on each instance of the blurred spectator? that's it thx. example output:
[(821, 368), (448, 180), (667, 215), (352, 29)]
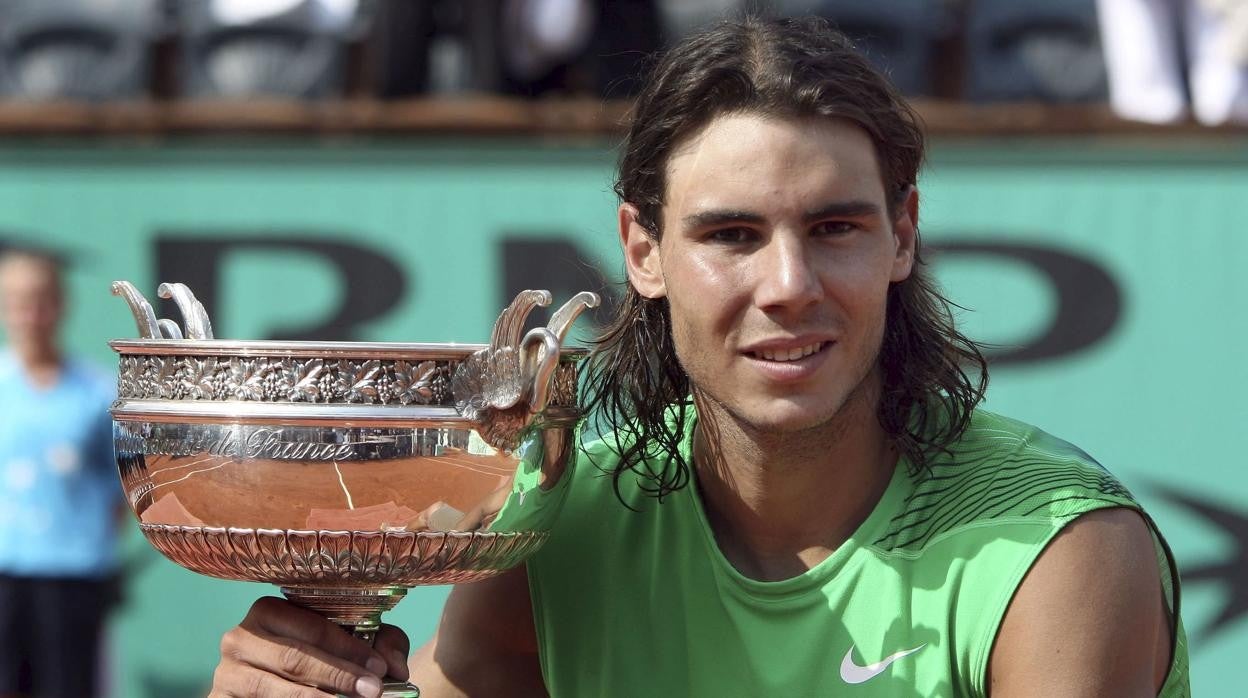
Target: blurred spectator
[(60, 500), (1159, 51)]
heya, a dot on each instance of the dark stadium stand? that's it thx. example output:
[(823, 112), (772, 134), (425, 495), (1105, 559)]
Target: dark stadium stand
[(75, 50), (898, 35), (1047, 51), (167, 67)]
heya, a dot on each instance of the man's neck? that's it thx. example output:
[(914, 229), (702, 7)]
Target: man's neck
[(780, 503), (41, 363)]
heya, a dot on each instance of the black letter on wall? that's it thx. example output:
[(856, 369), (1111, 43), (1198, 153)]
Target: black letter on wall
[(556, 264), (373, 284), (1089, 300)]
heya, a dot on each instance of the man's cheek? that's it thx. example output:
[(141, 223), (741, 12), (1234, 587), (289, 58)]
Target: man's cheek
[(688, 351)]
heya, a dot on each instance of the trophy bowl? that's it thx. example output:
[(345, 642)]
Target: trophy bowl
[(346, 472)]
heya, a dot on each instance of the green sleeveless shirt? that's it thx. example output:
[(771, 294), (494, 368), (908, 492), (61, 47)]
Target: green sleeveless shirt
[(643, 603)]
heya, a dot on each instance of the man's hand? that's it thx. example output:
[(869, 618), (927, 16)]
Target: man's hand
[(282, 650)]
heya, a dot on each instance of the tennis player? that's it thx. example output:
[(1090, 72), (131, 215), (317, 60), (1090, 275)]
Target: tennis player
[(796, 493)]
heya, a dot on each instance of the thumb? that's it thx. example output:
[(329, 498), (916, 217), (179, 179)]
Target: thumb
[(393, 645)]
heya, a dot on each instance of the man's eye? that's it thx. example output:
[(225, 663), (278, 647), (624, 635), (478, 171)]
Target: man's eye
[(733, 235), (834, 228)]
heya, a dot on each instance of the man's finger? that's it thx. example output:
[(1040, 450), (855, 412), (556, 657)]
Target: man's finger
[(243, 650), (394, 646), (242, 681), (277, 617)]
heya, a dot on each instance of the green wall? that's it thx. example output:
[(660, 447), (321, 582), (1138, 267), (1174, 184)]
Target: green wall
[(1107, 277)]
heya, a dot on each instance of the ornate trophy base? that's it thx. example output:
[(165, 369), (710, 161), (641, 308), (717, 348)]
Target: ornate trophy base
[(358, 611)]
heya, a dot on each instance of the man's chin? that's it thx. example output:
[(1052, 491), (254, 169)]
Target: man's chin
[(787, 418)]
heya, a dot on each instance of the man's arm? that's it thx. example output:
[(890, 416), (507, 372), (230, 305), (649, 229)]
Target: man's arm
[(1089, 619), (485, 645)]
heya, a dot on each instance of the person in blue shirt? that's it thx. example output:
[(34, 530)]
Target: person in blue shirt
[(60, 500)]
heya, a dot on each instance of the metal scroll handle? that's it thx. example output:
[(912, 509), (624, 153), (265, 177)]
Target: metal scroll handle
[(540, 347), (504, 385), (193, 313)]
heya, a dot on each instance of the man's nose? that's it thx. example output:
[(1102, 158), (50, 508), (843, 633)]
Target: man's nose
[(788, 278)]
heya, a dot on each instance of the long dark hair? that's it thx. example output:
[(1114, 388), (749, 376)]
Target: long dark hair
[(635, 385)]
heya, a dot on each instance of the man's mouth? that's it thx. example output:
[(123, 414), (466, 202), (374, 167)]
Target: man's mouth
[(793, 354)]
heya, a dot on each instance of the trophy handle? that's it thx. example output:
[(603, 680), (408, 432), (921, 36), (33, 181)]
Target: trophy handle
[(489, 386), (144, 316), (169, 329), (507, 328), (563, 318), (193, 314), (539, 355)]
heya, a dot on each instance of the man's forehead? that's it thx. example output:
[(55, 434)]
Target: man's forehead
[(815, 160), (741, 128)]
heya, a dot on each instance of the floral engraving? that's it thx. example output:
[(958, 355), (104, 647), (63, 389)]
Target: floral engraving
[(130, 376), (161, 381), (364, 381), (246, 378), (302, 377), (412, 382), (197, 376), (357, 381)]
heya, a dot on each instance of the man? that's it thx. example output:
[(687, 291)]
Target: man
[(59, 498), (796, 494)]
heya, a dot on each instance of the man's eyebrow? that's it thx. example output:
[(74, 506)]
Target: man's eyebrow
[(713, 217), (856, 208)]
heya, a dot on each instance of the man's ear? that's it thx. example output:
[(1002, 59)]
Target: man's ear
[(905, 235), (641, 255)]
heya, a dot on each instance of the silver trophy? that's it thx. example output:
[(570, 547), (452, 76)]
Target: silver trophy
[(346, 472)]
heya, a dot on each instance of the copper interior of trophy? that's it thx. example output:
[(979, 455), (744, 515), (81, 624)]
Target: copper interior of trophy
[(415, 493)]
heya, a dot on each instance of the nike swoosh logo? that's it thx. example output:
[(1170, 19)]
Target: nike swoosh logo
[(852, 673)]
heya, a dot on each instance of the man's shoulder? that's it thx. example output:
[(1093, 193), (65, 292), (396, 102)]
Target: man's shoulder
[(991, 436), (1002, 471), (1032, 473)]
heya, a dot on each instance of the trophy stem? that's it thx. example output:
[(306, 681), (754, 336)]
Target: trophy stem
[(358, 611)]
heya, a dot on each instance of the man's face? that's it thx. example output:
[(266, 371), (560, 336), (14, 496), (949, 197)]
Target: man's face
[(30, 301), (776, 258)]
